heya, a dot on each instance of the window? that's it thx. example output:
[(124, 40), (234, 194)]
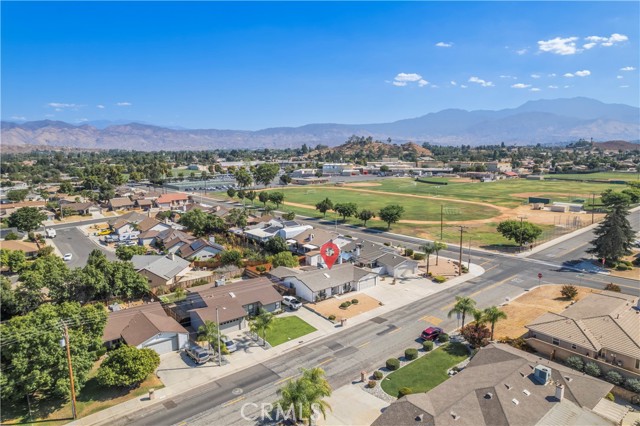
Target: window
[(555, 341), (573, 346), (637, 364)]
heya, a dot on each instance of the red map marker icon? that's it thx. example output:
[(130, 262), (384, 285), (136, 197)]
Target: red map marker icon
[(329, 252)]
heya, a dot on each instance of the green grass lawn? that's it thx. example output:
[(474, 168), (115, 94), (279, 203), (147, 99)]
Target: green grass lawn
[(629, 177), (287, 328), (427, 372)]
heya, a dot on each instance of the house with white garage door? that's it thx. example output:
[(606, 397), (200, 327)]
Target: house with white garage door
[(319, 284), (230, 305), (146, 326)]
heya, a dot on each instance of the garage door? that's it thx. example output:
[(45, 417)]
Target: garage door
[(231, 326), (165, 346)]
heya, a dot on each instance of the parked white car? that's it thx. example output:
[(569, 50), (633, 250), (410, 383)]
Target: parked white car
[(291, 302), (230, 345), (67, 257)]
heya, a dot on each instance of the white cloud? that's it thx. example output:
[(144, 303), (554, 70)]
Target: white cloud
[(624, 86), (435, 86), (604, 41), (535, 76), (583, 73), (552, 87), (509, 76), (462, 86), (559, 46), (453, 83), (59, 106), (18, 117), (481, 82), (619, 77), (569, 75), (535, 89), (553, 74), (567, 86), (399, 83), (422, 83), (444, 44), (124, 104), (627, 69), (408, 77), (100, 106), (520, 86), (521, 51)]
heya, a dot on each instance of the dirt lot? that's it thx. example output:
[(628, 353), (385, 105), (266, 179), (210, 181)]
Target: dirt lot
[(531, 305), (332, 306), (445, 267), (363, 184)]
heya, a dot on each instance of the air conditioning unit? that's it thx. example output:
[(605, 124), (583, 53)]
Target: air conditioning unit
[(542, 374)]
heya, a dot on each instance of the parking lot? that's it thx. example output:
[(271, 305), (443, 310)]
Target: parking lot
[(74, 241)]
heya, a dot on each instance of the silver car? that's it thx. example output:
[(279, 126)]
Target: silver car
[(197, 354)]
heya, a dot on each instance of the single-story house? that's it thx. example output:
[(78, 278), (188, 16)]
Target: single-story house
[(172, 239), (121, 203), (151, 224), (144, 204), (312, 239), (6, 231), (172, 200), (161, 270), (82, 208), (29, 249), (397, 266), (320, 284), (200, 249), (234, 302), (145, 326)]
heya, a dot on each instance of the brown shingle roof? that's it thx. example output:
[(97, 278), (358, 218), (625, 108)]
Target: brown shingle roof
[(119, 320), (120, 202), (145, 325), (171, 197), (147, 224)]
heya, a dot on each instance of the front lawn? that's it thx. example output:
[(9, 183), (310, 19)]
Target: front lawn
[(287, 328), (427, 372)]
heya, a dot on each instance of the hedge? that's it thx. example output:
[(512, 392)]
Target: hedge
[(393, 364), (411, 353)]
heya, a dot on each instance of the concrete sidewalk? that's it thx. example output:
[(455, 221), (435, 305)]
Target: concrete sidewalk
[(180, 380)]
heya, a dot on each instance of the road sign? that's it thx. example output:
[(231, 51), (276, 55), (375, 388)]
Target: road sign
[(329, 252), (539, 275)]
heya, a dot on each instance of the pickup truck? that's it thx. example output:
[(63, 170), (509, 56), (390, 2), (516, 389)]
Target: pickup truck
[(197, 354), (50, 233)]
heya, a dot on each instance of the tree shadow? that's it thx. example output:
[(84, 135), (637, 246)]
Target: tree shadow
[(41, 409)]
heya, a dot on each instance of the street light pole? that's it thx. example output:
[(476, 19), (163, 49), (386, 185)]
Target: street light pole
[(521, 230), (219, 345), (593, 202), (460, 254), (441, 220), (73, 389)]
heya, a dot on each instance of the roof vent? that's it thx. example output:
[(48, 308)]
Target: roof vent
[(455, 416), (508, 386), (419, 417), (233, 296), (488, 395), (515, 401), (326, 275), (526, 392)]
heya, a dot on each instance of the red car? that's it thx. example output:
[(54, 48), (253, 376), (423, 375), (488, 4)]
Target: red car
[(431, 333)]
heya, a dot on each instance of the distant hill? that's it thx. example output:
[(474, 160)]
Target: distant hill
[(542, 121), (373, 149), (618, 146)]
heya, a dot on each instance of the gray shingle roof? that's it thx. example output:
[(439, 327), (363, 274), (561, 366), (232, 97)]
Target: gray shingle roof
[(162, 266), (321, 279)]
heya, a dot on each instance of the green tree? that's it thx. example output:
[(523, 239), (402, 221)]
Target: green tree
[(365, 215), (324, 206), (17, 195), (276, 245), (569, 291), (125, 282), (11, 236), (127, 252), (237, 218), (263, 196), (305, 394), (439, 245), (49, 272), (251, 195), (26, 219), (614, 236), (127, 366), (265, 173), (429, 248), (16, 261), (243, 178), (210, 332), (462, 306), (231, 257), (346, 210), (520, 232), (391, 214), (9, 305), (384, 168), (231, 192), (197, 221), (285, 179), (277, 198), (284, 258), (262, 323), (31, 346), (289, 216), (492, 315)]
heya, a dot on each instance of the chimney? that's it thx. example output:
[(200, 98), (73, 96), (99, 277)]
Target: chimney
[(172, 256), (212, 239), (560, 392), (358, 251)]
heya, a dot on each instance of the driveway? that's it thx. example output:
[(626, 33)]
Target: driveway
[(73, 241)]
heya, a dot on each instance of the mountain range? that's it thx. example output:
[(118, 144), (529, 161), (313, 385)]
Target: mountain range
[(543, 121)]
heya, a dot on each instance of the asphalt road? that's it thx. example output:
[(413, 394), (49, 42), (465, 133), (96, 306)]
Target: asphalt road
[(72, 240), (364, 347)]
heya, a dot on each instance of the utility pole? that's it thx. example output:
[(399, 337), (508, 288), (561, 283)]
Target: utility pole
[(521, 230), (441, 220), (460, 254), (73, 389), (219, 346)]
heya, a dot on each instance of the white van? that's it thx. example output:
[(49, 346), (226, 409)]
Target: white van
[(50, 233)]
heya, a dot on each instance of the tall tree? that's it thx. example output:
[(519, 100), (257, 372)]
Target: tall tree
[(493, 315), (243, 177), (263, 196), (346, 210), (265, 173), (197, 221), (391, 214), (365, 215), (127, 366), (285, 179), (276, 245), (462, 306), (521, 232), (27, 219), (614, 236), (17, 195), (428, 248), (210, 332), (305, 395), (438, 245), (324, 206), (277, 198), (127, 252)]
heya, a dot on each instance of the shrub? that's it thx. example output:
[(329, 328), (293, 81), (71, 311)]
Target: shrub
[(419, 256), (387, 244), (371, 384), (127, 366), (411, 353), (439, 279), (427, 345), (404, 391), (614, 377), (444, 337), (635, 399), (569, 291), (592, 369), (464, 269), (261, 268), (11, 236), (633, 385), (354, 301), (408, 252), (344, 305), (378, 375), (610, 397), (332, 318), (393, 364), (612, 287), (626, 262), (574, 362), (622, 267), (477, 335)]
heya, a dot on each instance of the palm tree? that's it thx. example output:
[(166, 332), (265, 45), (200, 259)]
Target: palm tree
[(210, 332), (255, 327), (319, 388), (429, 249), (266, 323), (463, 305), (479, 317), (306, 394), (493, 315), (439, 245)]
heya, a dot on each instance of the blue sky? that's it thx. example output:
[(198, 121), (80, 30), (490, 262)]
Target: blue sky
[(258, 65)]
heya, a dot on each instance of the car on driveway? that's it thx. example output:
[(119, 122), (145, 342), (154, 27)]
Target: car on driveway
[(67, 257), (105, 232), (431, 333), (291, 302), (230, 345), (197, 354)]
